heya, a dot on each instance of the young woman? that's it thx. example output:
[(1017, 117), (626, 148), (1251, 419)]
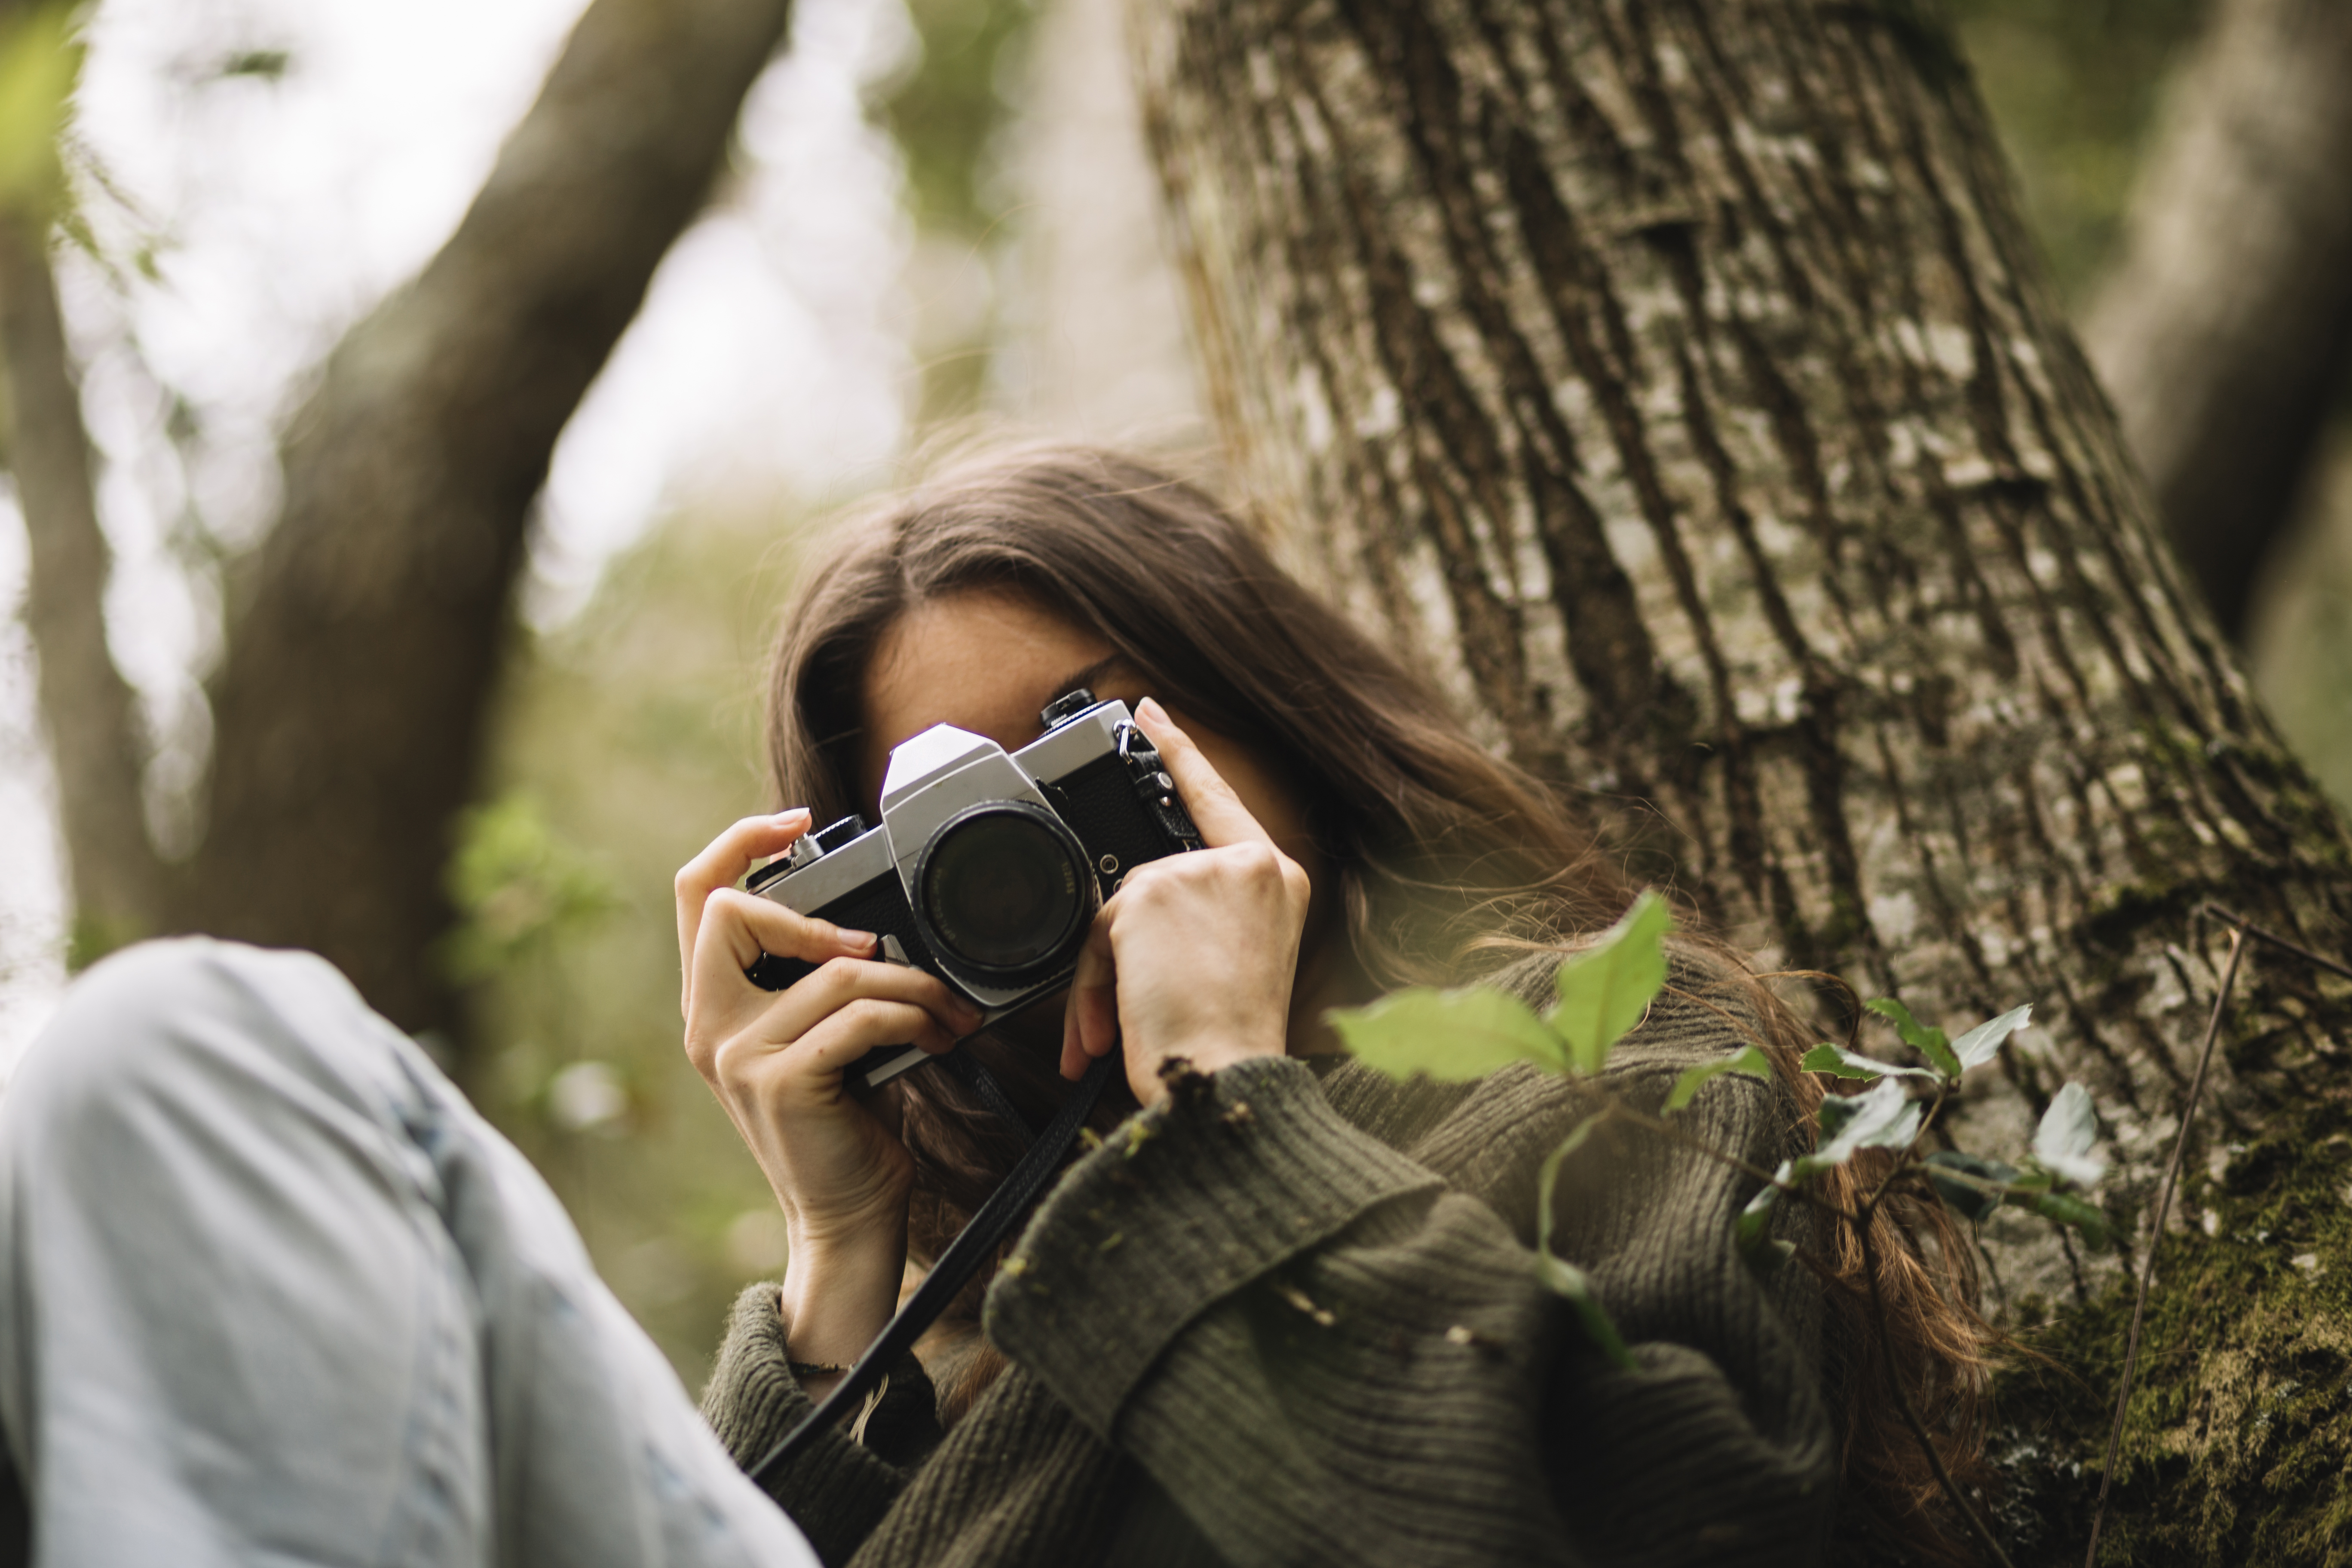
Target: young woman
[(1290, 1314)]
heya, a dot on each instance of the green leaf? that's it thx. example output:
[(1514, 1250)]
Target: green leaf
[(2062, 1143), (1929, 1043), (40, 59), (1843, 1063), (1751, 1233), (1979, 1045), (1836, 1111), (1567, 1280), (1968, 1199), (1882, 1117), (1452, 1036), (1605, 989), (2071, 1211), (1749, 1059)]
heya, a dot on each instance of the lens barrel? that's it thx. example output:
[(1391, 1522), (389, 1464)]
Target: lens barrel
[(1003, 892)]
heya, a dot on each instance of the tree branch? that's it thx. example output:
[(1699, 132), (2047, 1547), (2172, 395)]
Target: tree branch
[(87, 707), (2223, 332), (365, 637)]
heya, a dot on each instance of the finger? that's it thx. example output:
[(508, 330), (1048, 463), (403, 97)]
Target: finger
[(722, 863), (840, 982), (1074, 1055), (836, 1043), (817, 1059), (1216, 810), (1093, 1009), (738, 927)]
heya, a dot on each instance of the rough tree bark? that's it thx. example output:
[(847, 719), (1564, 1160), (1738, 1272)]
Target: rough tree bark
[(365, 633), (1677, 379), (2225, 329)]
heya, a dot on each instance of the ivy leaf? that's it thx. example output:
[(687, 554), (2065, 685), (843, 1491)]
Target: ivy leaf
[(1969, 1201), (2071, 1211), (1882, 1117), (1452, 1036), (2062, 1143), (1605, 989), (1929, 1043), (1840, 1062), (1751, 1233), (1978, 1045), (1749, 1059)]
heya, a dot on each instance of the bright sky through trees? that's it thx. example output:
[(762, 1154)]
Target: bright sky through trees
[(278, 208)]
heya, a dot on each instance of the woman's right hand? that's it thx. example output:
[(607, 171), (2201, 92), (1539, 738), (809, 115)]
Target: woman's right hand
[(776, 1061)]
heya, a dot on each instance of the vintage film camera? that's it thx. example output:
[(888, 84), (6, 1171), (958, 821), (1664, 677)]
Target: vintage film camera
[(989, 865)]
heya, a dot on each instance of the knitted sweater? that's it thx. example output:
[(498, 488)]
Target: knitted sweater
[(1284, 1318)]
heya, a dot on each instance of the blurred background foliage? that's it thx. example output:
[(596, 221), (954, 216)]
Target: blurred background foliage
[(629, 736), (624, 741), (2072, 85)]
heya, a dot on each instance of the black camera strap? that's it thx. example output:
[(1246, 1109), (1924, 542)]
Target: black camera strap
[(988, 1092), (963, 1257)]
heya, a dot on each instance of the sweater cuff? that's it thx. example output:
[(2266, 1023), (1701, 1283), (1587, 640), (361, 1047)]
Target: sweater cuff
[(836, 1488), (1228, 1177)]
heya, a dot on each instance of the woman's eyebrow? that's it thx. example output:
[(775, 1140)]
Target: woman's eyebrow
[(1086, 676)]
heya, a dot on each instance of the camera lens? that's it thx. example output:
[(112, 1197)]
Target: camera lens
[(1004, 892)]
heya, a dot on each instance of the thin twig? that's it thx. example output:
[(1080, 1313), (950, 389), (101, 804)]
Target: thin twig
[(1978, 1527), (2156, 1232), (1621, 1111), (2252, 930)]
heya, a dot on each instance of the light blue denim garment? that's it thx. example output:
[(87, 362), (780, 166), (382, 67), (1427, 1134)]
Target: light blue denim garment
[(272, 1293)]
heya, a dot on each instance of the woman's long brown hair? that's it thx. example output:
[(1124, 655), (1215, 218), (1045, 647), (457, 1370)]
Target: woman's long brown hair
[(1447, 860)]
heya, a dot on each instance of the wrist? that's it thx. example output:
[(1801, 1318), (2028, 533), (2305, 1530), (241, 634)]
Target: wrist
[(1201, 1054), (838, 1291)]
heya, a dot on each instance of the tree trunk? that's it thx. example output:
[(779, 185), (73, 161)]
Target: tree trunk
[(2222, 335), (87, 706), (1678, 381), (364, 637)]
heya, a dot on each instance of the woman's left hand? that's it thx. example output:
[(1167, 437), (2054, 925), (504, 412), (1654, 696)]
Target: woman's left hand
[(1195, 954)]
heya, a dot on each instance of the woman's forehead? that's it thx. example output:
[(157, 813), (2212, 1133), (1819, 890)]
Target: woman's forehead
[(982, 661)]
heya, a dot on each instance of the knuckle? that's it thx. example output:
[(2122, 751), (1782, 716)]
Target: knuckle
[(1148, 883), (1258, 860), (835, 978)]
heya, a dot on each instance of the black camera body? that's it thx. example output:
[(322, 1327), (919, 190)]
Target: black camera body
[(989, 865)]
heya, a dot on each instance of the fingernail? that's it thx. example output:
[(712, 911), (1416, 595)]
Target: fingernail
[(859, 939), (797, 813), (1149, 707)]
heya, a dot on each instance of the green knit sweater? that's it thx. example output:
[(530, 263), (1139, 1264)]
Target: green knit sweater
[(1289, 1319)]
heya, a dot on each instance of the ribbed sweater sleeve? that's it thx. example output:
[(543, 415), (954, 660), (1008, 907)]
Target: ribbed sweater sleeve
[(1324, 1353), (837, 1489), (1319, 1353)]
